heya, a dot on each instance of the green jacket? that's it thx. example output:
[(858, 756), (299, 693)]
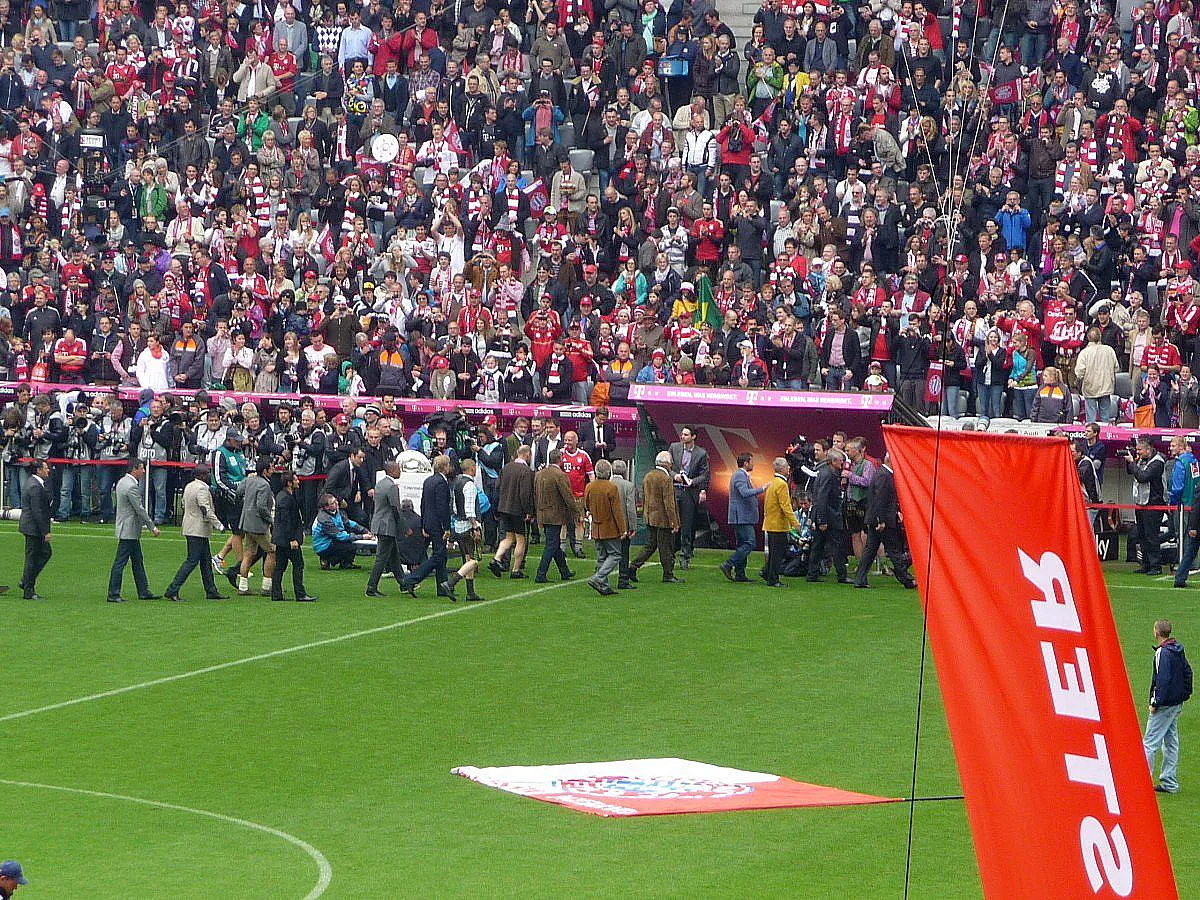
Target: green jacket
[(257, 129), (773, 81)]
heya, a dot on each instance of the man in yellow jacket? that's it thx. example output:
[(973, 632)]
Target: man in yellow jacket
[(778, 519)]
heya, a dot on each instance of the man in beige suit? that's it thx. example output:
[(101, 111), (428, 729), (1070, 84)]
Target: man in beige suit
[(662, 520), (199, 520), (254, 78)]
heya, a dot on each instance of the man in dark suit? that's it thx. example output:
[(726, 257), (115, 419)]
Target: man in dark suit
[(515, 507), (35, 525), (689, 462), (829, 536), (287, 536), (435, 522), (385, 523), (555, 510), (343, 481), (883, 527), (597, 436)]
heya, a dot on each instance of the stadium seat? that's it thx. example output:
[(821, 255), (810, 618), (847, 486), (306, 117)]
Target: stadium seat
[(962, 403), (566, 133), (1124, 385), (581, 161)]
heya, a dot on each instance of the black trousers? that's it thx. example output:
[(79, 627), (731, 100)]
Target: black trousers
[(662, 541), (828, 542), (623, 576), (285, 556), (339, 553), (387, 559), (890, 539), (689, 503), (37, 554), (199, 554), (777, 542), (128, 551), (1149, 537), (435, 563)]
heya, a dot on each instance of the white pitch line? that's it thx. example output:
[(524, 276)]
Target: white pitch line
[(324, 869), (285, 651)]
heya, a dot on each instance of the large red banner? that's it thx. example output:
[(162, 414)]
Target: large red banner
[(1045, 732)]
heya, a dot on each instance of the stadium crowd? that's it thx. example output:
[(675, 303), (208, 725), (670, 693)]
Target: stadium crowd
[(988, 207)]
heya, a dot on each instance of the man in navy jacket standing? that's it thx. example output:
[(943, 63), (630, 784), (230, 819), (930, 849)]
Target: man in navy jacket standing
[(1170, 686), (435, 522), (743, 516)]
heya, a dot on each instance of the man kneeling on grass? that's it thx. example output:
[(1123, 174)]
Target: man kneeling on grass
[(334, 535)]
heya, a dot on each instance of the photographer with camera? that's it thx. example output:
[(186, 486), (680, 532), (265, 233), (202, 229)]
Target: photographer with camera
[(115, 443), (80, 444), (154, 437), (1148, 469)]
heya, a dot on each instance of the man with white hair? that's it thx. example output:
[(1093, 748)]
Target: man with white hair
[(662, 519)]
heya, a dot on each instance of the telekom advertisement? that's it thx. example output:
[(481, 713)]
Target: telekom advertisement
[(730, 422)]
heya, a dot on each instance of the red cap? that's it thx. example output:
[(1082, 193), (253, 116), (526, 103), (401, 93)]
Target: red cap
[(491, 420), (1183, 265), (341, 419), (962, 257), (589, 269), (440, 362)]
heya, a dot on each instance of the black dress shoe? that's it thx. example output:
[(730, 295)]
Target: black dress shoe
[(909, 585), (1153, 572), (633, 575), (518, 574), (861, 584), (672, 580), (567, 575), (150, 597), (307, 598), (496, 569), (371, 592), (843, 579), (626, 586), (727, 571), (3, 588), (475, 598), (214, 597), (110, 599), (409, 588), (278, 598), (444, 590), (231, 575), (777, 584), (541, 579), (348, 566), (741, 579)]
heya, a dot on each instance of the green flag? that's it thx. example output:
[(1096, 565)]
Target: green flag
[(706, 304)]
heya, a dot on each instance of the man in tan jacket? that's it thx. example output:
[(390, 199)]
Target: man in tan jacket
[(662, 520), (555, 509), (603, 501), (199, 520)]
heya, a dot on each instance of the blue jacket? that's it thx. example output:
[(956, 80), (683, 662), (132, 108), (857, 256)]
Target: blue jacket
[(743, 499), (435, 505), (1014, 226), (330, 528), (1171, 681), (1183, 473)]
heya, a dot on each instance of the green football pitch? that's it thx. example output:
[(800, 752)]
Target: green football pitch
[(252, 749)]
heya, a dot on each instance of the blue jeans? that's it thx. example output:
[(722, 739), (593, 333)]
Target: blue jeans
[(793, 384), (72, 475), (1162, 730), (16, 475), (158, 488), (128, 551), (990, 403), (835, 379), (744, 535), (950, 400), (1098, 409), (105, 479), (1023, 402), (1034, 47), (552, 551)]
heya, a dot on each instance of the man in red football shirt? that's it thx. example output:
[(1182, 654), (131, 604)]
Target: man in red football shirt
[(578, 466)]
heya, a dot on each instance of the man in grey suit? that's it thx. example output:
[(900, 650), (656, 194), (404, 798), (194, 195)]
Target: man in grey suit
[(691, 473), (743, 516), (131, 518), (258, 514), (35, 525), (385, 524), (199, 520), (628, 494)]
